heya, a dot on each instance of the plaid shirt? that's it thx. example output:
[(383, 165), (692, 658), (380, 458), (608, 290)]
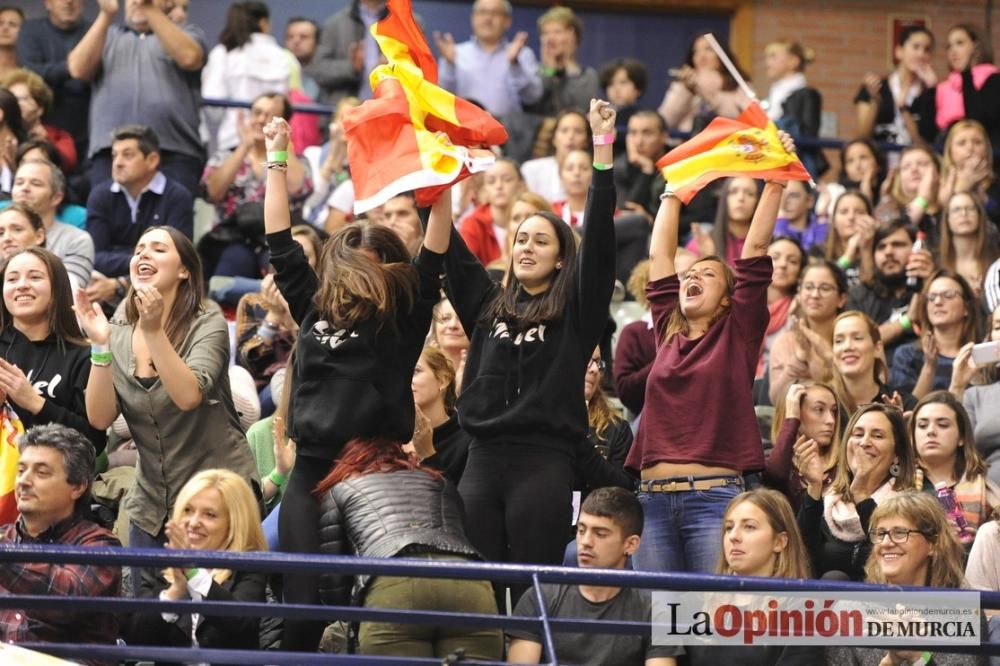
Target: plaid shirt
[(78, 580)]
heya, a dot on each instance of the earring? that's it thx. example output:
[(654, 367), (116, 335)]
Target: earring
[(894, 469), (558, 265)]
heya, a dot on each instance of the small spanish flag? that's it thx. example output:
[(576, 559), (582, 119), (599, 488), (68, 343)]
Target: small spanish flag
[(10, 429), (413, 135), (745, 146)]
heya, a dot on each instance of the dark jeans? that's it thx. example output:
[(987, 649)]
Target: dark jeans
[(185, 169), (139, 538), (298, 532), (518, 504)]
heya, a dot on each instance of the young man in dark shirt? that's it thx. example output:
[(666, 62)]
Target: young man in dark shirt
[(608, 532)]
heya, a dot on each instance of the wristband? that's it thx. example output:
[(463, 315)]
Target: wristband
[(604, 139), (844, 262), (668, 192), (277, 156), (100, 349), (904, 321), (925, 659), (100, 359), (191, 573), (921, 203), (601, 166), (276, 478)]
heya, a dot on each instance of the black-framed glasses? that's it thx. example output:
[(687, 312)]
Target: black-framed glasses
[(597, 363), (823, 288), (896, 535)]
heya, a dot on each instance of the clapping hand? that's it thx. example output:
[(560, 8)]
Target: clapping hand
[(92, 319), (149, 302)]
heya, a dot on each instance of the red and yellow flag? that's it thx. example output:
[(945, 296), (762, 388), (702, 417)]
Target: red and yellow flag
[(413, 135), (745, 146), (10, 429)]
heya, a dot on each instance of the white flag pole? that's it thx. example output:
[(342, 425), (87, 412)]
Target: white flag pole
[(735, 73)]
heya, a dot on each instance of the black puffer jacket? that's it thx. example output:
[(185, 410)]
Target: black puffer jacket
[(388, 515)]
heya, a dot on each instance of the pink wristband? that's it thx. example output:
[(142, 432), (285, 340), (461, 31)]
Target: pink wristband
[(604, 139)]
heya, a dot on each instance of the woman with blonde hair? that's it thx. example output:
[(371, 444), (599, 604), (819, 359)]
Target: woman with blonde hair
[(215, 510), (912, 189), (852, 232), (860, 372), (967, 164)]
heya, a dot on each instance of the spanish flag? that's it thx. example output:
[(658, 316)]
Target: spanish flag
[(746, 146), (10, 429), (413, 135)]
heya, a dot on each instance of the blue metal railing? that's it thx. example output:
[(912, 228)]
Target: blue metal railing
[(422, 568)]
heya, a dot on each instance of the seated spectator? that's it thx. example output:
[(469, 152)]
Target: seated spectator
[(234, 181), (637, 179), (759, 538), (36, 99), (54, 476), (214, 511), (448, 335), (347, 51), (791, 103), (70, 211), (967, 166), (120, 59), (968, 244), (796, 219), (608, 533), (850, 236), (301, 39), (875, 464), (702, 89), (942, 436), (46, 361), (804, 351), (11, 135), (500, 74), (11, 19), (331, 205), (541, 175), (636, 348), (274, 452), (859, 369), (164, 366), (20, 227), (883, 104), (970, 91), (911, 545), (119, 211), (600, 458), (737, 203), (265, 330), (887, 297), (991, 286), (623, 81), (949, 319), (41, 185), (981, 399), (863, 168), (575, 175), (392, 507), (485, 229), (246, 63), (43, 46), (435, 390), (400, 214), (912, 191), (788, 258), (566, 85), (806, 436)]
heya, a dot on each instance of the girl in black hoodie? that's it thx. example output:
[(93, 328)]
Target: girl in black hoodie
[(522, 399), (363, 317), (44, 360)]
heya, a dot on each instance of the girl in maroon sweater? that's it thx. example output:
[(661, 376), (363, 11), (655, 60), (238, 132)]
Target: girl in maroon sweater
[(698, 434)]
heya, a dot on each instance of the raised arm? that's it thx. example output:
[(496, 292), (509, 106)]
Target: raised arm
[(276, 215), (663, 244), (437, 238), (85, 58), (762, 224), (181, 47)]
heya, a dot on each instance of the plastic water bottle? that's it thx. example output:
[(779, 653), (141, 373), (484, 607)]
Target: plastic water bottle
[(913, 283), (946, 496)]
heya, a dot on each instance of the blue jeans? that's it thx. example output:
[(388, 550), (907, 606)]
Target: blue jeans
[(683, 530), (270, 527)]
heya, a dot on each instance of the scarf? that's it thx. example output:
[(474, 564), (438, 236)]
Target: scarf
[(782, 89), (948, 96), (842, 517)]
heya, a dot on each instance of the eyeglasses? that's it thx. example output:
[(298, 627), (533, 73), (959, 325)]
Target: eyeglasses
[(597, 363), (824, 289), (896, 534), (956, 210), (946, 295)]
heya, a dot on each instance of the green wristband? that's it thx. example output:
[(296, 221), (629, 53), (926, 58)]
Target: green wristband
[(921, 203), (844, 262), (278, 156), (601, 166), (100, 358), (904, 321), (191, 573), (276, 478)]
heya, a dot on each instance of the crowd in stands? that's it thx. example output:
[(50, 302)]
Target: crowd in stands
[(208, 350)]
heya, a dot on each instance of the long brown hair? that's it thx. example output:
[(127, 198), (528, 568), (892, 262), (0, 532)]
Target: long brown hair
[(678, 323), (780, 415), (968, 464), (793, 560), (355, 288), (879, 370), (833, 248), (190, 298), (972, 326), (441, 367), (62, 321), (901, 447), (601, 413), (720, 232), (370, 456), (986, 245), (946, 567)]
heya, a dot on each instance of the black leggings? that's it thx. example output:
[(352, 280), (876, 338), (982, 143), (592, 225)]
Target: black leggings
[(518, 504), (298, 532)]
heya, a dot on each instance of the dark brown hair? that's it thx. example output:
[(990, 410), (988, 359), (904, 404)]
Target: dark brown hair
[(972, 327), (62, 320), (968, 464), (901, 448), (678, 323)]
